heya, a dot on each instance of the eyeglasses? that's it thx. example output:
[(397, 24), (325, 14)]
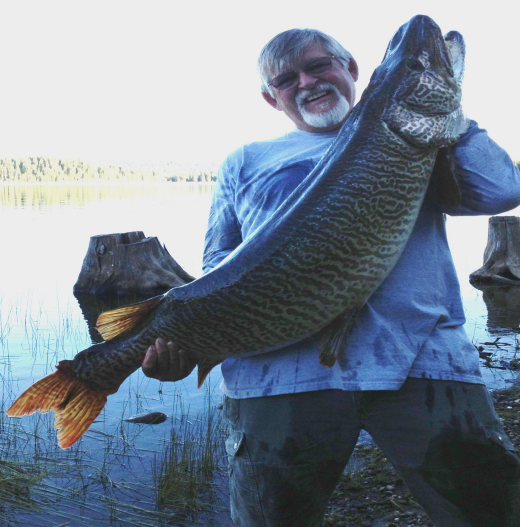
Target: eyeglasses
[(314, 68)]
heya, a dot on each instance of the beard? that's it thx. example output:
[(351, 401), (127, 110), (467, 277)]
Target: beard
[(324, 119)]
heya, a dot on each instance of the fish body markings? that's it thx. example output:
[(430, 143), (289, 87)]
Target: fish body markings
[(314, 263)]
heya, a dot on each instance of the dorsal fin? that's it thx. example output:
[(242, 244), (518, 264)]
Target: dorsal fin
[(112, 323)]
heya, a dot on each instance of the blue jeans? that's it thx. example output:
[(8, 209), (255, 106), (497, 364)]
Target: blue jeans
[(286, 453)]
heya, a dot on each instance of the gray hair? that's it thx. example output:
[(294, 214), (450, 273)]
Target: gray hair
[(284, 50)]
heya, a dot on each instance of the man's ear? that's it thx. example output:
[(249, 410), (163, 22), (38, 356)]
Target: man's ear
[(353, 69), (271, 100)]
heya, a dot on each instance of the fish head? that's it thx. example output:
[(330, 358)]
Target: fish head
[(421, 76)]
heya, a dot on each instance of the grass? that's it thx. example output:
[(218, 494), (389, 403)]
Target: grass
[(119, 473), (184, 472), (16, 482)]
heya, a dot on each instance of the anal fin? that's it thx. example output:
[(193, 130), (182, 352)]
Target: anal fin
[(203, 369)]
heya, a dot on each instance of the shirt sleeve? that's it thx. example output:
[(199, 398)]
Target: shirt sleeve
[(489, 180), (224, 233)]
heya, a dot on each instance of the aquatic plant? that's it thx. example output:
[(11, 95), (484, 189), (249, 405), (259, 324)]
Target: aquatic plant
[(184, 471), (120, 473)]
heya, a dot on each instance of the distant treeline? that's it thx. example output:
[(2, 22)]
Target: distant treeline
[(50, 170)]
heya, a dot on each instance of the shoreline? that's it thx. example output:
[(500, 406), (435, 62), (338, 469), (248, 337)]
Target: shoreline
[(104, 183)]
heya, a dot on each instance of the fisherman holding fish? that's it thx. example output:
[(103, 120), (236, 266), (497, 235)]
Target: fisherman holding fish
[(352, 321), (410, 376)]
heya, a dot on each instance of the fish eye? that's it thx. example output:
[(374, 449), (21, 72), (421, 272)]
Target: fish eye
[(415, 65)]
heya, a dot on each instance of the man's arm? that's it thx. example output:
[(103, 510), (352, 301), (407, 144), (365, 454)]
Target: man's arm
[(489, 180), (224, 234)]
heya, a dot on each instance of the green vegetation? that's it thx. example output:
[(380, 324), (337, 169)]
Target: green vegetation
[(185, 471), (121, 476), (50, 170), (16, 483)]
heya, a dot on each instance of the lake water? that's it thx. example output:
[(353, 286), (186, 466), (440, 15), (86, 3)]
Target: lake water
[(113, 474)]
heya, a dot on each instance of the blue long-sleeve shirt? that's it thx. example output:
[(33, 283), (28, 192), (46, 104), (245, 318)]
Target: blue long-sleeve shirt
[(412, 325)]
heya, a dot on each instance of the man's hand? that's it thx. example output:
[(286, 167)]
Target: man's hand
[(167, 362)]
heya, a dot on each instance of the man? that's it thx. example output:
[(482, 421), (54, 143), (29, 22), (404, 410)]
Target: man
[(409, 375)]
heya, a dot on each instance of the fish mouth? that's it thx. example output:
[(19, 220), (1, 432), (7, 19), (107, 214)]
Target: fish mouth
[(421, 32), (427, 66)]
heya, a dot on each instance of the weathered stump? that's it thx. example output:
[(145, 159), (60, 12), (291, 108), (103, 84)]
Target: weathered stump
[(502, 254), (128, 263)]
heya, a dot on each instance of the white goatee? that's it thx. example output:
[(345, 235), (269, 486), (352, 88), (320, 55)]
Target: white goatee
[(329, 118)]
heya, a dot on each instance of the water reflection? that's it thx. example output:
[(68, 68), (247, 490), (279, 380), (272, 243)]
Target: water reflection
[(43, 196), (92, 306), (113, 473), (503, 306)]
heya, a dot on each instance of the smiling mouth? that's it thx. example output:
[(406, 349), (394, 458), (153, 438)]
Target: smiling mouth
[(316, 96)]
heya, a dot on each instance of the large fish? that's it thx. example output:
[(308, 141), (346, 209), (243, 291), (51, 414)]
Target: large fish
[(314, 264)]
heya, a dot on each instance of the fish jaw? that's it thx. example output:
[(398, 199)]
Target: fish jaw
[(457, 49), (425, 109)]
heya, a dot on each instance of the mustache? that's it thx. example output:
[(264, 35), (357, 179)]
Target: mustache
[(304, 95)]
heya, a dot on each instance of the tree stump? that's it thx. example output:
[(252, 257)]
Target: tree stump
[(128, 263), (502, 254)]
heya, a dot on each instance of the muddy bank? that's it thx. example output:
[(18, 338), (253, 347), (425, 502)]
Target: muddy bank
[(374, 495)]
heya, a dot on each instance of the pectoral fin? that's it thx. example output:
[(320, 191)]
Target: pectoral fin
[(445, 179), (333, 338)]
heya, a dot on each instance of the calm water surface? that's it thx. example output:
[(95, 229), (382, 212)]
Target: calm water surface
[(111, 475), (45, 235)]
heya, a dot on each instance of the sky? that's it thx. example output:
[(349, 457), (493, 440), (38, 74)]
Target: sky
[(176, 80)]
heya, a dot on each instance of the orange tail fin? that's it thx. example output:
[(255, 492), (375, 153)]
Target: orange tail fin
[(75, 405)]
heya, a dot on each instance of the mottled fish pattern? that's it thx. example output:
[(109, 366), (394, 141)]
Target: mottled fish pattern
[(336, 238), (315, 263)]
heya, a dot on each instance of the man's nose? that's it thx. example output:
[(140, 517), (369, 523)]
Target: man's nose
[(306, 81)]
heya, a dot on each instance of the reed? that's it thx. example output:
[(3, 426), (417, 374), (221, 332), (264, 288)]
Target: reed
[(185, 470), (119, 473)]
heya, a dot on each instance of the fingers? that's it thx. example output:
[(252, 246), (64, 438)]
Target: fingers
[(150, 362), (167, 362), (164, 361), (184, 362)]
